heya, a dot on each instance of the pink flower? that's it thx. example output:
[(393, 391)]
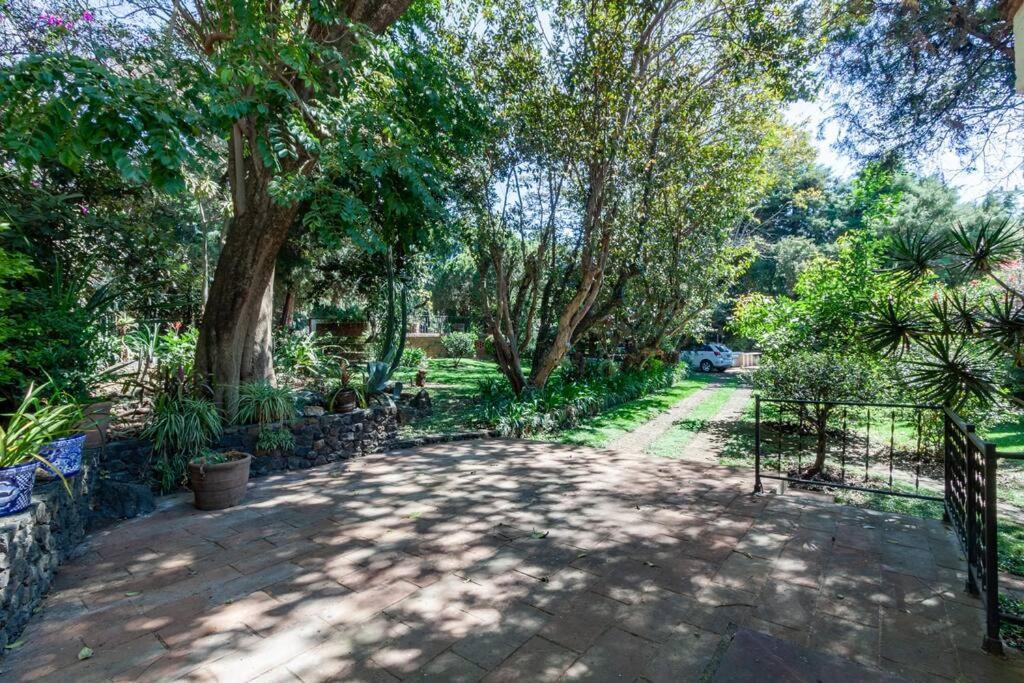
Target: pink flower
[(83, 208), (87, 16)]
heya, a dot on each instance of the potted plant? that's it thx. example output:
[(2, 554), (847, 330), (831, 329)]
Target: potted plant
[(65, 452), (345, 398), (27, 430), (181, 426), (219, 479)]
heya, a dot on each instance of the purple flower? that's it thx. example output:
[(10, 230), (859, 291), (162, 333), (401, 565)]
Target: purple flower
[(87, 16), (83, 208)]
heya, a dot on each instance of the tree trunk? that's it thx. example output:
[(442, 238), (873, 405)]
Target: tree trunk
[(234, 339), (821, 427), (288, 309), (258, 354)]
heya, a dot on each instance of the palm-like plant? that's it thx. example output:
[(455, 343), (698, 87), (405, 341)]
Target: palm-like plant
[(955, 327)]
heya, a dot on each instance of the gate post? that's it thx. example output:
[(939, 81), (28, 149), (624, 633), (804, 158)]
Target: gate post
[(758, 488), (947, 447), (993, 644)]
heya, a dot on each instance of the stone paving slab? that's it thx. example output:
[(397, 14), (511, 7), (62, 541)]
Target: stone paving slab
[(506, 560)]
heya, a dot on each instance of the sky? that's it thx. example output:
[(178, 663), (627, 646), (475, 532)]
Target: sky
[(973, 184)]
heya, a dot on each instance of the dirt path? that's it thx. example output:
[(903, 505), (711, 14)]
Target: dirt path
[(708, 443), (640, 438)]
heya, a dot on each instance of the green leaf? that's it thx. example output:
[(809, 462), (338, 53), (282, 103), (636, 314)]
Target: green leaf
[(84, 653)]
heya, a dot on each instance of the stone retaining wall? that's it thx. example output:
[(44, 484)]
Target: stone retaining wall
[(34, 543), (320, 439)]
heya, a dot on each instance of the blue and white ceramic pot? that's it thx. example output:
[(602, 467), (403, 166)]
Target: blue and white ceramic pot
[(16, 487), (65, 454)]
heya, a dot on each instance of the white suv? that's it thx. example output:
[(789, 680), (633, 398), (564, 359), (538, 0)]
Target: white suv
[(708, 357)]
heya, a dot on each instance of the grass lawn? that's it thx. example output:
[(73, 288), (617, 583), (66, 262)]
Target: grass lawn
[(1008, 436), (453, 392), (671, 443), (602, 429)]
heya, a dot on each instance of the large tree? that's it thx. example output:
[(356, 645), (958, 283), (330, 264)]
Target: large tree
[(266, 86), (913, 77), (590, 97), (280, 66)]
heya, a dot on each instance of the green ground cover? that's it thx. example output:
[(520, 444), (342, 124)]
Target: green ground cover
[(605, 428), (453, 393), (672, 442)]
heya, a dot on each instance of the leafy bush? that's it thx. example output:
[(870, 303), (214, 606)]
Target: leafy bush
[(177, 348), (263, 403), (270, 439), (817, 376), (301, 353), (459, 345), (566, 400), (343, 314), (50, 328), (413, 358), (181, 427)]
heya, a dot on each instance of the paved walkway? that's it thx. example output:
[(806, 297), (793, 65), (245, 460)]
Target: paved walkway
[(506, 560)]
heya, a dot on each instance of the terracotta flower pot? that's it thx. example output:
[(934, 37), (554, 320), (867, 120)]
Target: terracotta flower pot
[(222, 485), (96, 423), (346, 401)]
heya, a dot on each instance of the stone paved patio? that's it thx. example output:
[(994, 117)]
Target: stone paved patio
[(501, 561)]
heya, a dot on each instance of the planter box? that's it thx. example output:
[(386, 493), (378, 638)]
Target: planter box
[(341, 329)]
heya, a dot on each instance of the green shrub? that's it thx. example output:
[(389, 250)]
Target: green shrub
[(459, 345), (342, 314), (413, 358), (566, 399), (301, 353), (271, 439), (817, 376), (181, 427), (263, 403)]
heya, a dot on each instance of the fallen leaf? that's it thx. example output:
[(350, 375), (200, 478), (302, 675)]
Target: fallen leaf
[(540, 534), (15, 645), (84, 653), (650, 564), (131, 594), (414, 515)]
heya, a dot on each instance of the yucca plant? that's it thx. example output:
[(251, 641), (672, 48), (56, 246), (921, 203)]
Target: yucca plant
[(963, 327), (263, 403)]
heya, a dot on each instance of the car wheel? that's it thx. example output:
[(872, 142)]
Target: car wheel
[(705, 365)]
